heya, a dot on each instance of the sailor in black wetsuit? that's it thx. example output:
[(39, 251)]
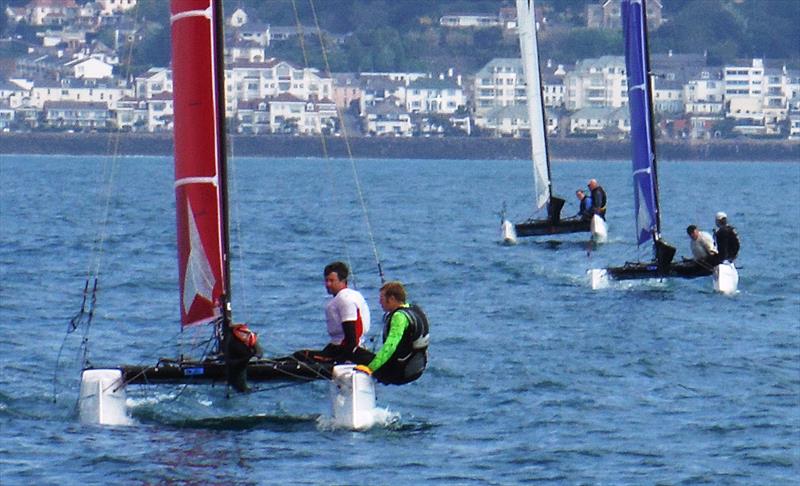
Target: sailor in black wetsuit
[(598, 195), (726, 238)]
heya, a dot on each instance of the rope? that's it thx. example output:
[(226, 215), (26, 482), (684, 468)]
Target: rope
[(345, 136), (325, 155)]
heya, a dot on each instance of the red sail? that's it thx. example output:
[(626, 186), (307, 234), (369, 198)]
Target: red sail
[(197, 161)]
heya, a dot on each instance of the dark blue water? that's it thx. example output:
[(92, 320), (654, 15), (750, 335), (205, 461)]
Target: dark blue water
[(533, 377)]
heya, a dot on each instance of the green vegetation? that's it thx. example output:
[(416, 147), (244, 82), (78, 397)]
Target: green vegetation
[(404, 35)]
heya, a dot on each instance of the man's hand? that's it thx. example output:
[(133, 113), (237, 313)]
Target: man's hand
[(363, 369)]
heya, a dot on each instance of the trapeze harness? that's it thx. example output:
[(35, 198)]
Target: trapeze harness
[(411, 356)]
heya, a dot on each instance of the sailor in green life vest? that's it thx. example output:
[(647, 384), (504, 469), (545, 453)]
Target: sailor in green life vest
[(404, 354)]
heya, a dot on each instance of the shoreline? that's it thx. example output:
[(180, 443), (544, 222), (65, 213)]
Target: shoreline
[(459, 148)]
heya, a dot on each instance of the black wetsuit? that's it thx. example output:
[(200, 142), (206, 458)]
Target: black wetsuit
[(727, 242), (599, 201)]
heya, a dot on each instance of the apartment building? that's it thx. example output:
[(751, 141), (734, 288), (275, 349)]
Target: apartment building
[(596, 83)]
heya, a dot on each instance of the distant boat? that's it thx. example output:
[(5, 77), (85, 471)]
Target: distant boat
[(204, 251), (540, 156), (647, 213)]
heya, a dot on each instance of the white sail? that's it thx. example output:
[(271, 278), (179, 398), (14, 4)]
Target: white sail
[(526, 23)]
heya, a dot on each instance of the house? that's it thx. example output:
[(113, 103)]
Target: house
[(111, 7), (286, 113), (379, 88), (257, 33), (470, 21), (606, 14), (279, 34), (73, 39), (6, 115), (794, 126), (13, 94), (88, 68), (388, 118), (50, 12), (40, 65), (667, 96), (252, 117), (757, 97), (347, 91), (238, 18), (434, 95), (131, 114), (704, 96), (247, 81), (152, 82), (600, 121), (511, 121), (80, 91), (76, 115), (244, 50)]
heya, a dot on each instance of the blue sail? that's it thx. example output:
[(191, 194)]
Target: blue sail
[(637, 64)]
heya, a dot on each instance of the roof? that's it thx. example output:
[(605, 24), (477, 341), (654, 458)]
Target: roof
[(52, 4), (433, 83), (76, 105)]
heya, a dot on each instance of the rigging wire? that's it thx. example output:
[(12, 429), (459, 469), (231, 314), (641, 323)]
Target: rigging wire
[(84, 316), (324, 143), (345, 135)]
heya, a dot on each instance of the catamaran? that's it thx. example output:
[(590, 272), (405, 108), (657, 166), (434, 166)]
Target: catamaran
[(203, 250), (647, 213), (540, 155)]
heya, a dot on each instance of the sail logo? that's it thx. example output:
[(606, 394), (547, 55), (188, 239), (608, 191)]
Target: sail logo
[(199, 278)]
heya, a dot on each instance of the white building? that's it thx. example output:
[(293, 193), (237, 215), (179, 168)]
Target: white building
[(470, 20), (80, 115), (111, 7), (77, 91), (501, 82), (705, 95), (596, 83), (433, 95), (387, 118), (511, 121), (600, 121), (245, 81), (50, 12), (88, 68), (152, 82), (758, 97)]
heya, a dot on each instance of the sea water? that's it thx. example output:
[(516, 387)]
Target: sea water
[(533, 377)]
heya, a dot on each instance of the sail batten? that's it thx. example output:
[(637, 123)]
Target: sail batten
[(637, 64), (198, 162), (529, 48)]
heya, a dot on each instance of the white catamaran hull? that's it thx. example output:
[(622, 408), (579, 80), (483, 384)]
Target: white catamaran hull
[(102, 399), (598, 278), (508, 233), (352, 398), (599, 229), (726, 278)]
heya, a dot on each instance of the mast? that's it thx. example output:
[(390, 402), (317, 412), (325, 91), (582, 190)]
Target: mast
[(640, 103), (200, 182), (650, 112), (219, 61), (529, 48)]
